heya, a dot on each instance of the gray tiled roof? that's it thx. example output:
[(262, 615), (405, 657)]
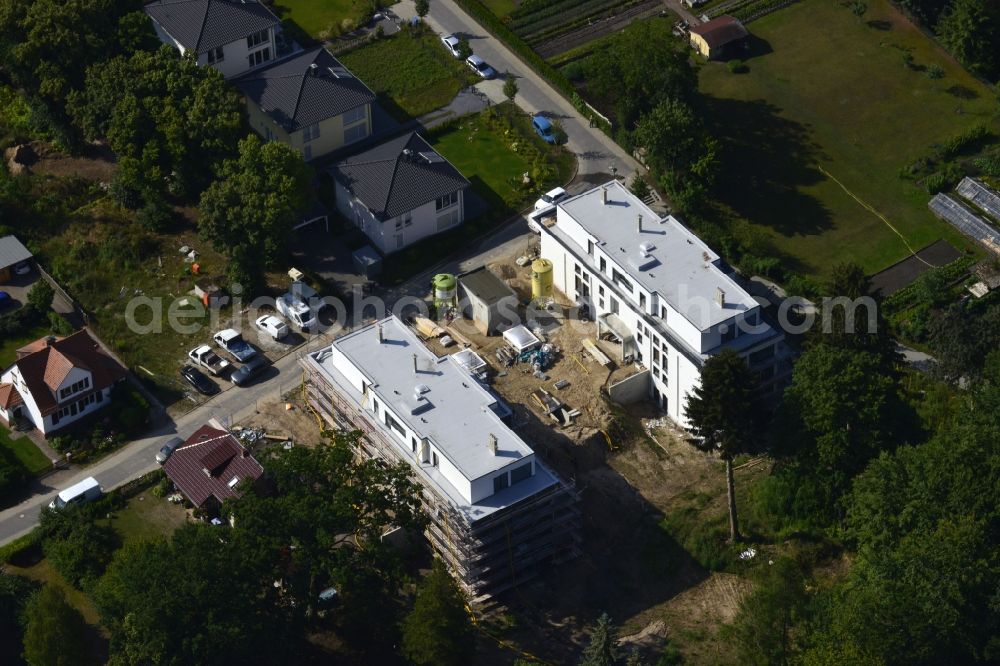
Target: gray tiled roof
[(390, 183), (296, 94), (200, 25), (12, 251)]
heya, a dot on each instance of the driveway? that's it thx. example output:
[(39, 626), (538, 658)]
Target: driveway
[(596, 152)]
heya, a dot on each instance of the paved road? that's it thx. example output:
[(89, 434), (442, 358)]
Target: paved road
[(595, 151), (136, 458)]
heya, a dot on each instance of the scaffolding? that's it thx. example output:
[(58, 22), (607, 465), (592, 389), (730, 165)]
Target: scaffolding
[(488, 555)]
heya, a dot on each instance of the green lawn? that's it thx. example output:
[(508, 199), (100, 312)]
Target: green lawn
[(25, 451), (826, 89), (146, 517), (323, 18), (9, 346), (412, 74)]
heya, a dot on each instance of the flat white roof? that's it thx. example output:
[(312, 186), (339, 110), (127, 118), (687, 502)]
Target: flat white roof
[(664, 258), (455, 411)]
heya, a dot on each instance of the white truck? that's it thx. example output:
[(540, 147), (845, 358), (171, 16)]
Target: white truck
[(296, 308), (86, 491), (208, 359), (231, 340)]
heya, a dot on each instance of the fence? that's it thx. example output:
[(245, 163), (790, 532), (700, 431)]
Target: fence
[(62, 293)]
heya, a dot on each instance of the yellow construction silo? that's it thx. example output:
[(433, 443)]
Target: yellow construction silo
[(541, 279)]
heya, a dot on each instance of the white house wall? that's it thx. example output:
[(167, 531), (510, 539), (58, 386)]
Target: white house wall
[(384, 235), (235, 54)]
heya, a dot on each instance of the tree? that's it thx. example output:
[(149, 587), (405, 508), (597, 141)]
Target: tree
[(197, 598), (437, 630), (250, 210), (762, 628), (925, 11), (84, 552), (970, 30), (852, 317), (335, 511), (41, 295), (679, 150), (638, 68), (603, 647), (509, 87), (840, 411), (721, 415), (14, 594), (170, 122), (422, 7), (639, 187), (54, 631), (464, 48)]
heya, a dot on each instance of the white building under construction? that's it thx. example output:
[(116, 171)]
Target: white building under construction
[(658, 289), (496, 511)]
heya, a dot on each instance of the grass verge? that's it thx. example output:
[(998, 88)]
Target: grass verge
[(25, 451)]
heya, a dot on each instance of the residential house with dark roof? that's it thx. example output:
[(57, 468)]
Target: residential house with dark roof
[(400, 192), (309, 101), (719, 37), (211, 467), (55, 382), (234, 36)]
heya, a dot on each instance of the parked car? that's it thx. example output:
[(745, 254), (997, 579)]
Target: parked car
[(5, 300), (167, 449), (23, 268), (543, 127), (550, 198), (199, 381), (273, 326), (233, 342), (248, 371), (451, 43), (480, 67), (208, 359), (81, 493)]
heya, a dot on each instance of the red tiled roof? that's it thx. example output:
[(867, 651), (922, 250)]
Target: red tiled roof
[(10, 396), (45, 363), (207, 462), (720, 31)]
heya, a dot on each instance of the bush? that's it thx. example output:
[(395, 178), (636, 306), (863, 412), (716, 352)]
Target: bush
[(59, 325), (639, 187), (154, 215), (84, 552), (559, 133), (935, 72), (13, 474), (737, 66), (41, 295)]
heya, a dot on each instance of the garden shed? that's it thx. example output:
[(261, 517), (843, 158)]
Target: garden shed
[(492, 305)]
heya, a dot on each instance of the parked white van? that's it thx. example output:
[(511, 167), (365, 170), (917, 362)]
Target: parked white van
[(86, 491)]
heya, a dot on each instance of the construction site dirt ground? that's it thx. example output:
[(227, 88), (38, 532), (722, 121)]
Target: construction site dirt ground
[(633, 471)]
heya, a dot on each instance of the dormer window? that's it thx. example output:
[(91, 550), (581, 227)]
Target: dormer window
[(81, 385)]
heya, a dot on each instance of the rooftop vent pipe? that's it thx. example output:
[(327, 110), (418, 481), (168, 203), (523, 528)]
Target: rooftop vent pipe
[(720, 298), (493, 444)]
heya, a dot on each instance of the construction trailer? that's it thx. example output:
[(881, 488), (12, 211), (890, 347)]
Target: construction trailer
[(496, 513), (492, 304)]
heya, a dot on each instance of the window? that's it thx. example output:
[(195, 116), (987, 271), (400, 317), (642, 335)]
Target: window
[(310, 132), (621, 280), (590, 247), (259, 57), (216, 55), (355, 115), (399, 241), (268, 134), (449, 219), (434, 459), (257, 38), (604, 265), (307, 153), (413, 444), (521, 473), (500, 482), (447, 201), (407, 218), (728, 331), (600, 289), (614, 306), (642, 301), (395, 425), (576, 269), (762, 355), (356, 133)]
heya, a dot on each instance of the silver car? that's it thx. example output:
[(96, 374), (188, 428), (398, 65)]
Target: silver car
[(167, 449)]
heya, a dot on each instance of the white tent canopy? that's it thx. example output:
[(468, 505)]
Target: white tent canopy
[(521, 339)]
